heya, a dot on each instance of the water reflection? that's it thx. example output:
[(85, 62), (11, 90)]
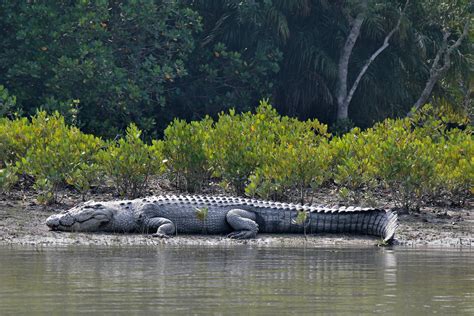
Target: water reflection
[(216, 280)]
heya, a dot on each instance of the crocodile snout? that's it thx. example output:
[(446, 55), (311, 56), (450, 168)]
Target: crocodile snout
[(80, 219), (53, 221), (62, 221)]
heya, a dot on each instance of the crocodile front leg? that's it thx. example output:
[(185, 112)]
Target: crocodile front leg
[(164, 227), (243, 222)]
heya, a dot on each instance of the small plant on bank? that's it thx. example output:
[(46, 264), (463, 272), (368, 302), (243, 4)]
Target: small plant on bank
[(344, 194), (16, 137), (454, 166), (84, 177), (404, 162), (302, 218), (8, 178), (354, 164), (130, 163), (300, 160), (183, 148), (240, 143), (201, 214)]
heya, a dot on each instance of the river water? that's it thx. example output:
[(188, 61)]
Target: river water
[(235, 280)]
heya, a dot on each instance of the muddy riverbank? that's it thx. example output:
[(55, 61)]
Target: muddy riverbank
[(22, 222)]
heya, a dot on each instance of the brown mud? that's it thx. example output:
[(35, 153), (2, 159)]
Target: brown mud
[(22, 223)]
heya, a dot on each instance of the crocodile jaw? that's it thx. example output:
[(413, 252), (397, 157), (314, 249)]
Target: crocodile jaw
[(80, 220)]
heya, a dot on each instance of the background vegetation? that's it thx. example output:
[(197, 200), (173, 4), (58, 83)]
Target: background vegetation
[(104, 64), (113, 93), (414, 160)]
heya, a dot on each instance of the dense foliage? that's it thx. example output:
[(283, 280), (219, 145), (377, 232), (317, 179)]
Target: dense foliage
[(414, 160), (47, 150), (55, 155), (191, 72), (116, 59), (105, 64)]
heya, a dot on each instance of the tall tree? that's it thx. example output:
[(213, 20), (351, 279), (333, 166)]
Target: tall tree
[(314, 71), (343, 94), (450, 22)]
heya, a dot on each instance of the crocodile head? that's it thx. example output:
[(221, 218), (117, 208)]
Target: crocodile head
[(87, 217)]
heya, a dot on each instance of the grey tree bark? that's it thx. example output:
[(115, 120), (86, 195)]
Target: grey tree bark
[(344, 97), (438, 71), (343, 65)]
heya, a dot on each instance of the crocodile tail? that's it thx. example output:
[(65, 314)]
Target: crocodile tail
[(384, 223), (389, 226), (370, 221)]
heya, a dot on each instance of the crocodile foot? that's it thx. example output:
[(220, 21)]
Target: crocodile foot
[(160, 235), (242, 234)]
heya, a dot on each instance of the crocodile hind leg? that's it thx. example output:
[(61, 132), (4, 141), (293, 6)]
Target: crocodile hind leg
[(243, 222), (164, 227)]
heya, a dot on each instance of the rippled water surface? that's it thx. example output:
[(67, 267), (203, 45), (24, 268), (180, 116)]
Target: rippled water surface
[(237, 280)]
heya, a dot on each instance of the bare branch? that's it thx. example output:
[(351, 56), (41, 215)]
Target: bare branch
[(436, 72), (450, 49), (435, 66), (343, 66), (375, 55), (461, 38)]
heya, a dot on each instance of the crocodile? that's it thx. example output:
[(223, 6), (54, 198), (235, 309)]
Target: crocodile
[(240, 218)]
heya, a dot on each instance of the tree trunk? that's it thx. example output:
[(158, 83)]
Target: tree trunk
[(343, 97), (437, 71), (343, 66), (425, 94)]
